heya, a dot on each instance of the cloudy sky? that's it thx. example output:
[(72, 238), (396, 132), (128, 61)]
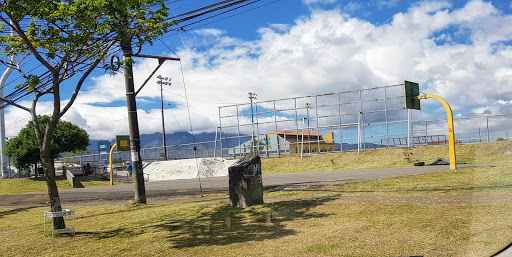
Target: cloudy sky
[(460, 50)]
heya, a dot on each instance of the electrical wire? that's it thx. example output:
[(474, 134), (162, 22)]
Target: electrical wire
[(21, 92), (221, 19), (199, 100)]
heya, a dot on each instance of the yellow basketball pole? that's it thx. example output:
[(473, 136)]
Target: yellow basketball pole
[(451, 134), (110, 166)]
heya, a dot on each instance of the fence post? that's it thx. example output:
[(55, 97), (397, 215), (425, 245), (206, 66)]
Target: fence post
[(359, 133), (408, 128), (487, 118), (215, 144)]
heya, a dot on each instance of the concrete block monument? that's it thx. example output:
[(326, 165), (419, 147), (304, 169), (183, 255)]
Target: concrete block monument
[(245, 182)]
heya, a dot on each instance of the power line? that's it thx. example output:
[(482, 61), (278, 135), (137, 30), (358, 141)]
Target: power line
[(195, 99), (221, 19), (81, 63)]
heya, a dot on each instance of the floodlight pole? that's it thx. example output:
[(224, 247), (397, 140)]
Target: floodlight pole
[(252, 96), (451, 133), (163, 81)]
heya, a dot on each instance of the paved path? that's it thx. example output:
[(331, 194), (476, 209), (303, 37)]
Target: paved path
[(190, 187)]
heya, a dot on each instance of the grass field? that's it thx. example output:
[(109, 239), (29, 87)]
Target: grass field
[(496, 152), (463, 213), (27, 185)]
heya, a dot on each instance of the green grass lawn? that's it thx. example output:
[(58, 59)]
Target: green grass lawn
[(302, 227), (496, 152), (307, 221), (27, 185), (437, 214)]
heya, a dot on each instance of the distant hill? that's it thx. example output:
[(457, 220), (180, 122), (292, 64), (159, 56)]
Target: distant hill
[(173, 139), (181, 140)]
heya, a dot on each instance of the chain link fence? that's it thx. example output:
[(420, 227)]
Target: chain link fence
[(352, 120), (336, 122), (174, 152), (468, 130)]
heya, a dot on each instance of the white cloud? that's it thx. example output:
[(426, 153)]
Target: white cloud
[(308, 2), (329, 51), (387, 3)]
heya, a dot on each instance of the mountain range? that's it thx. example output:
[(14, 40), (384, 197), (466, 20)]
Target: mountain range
[(173, 139), (182, 140)]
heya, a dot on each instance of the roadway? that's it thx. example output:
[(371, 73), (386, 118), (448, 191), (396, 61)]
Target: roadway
[(158, 190)]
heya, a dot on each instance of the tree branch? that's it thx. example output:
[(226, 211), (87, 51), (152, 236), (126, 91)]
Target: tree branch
[(35, 122), (15, 104), (82, 79), (17, 28)]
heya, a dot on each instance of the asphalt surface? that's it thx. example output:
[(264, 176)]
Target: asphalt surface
[(157, 190)]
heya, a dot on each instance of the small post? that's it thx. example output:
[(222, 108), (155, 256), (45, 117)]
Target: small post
[(268, 218), (228, 222)]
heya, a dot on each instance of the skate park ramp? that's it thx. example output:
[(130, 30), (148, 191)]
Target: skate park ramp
[(188, 168)]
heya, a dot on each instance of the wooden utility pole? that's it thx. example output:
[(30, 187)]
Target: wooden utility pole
[(138, 176)]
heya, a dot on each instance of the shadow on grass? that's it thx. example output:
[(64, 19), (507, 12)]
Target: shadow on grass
[(15, 211), (42, 178), (81, 178), (118, 233), (225, 225), (339, 189), (431, 189)]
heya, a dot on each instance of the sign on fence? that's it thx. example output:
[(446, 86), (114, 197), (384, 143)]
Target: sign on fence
[(123, 143)]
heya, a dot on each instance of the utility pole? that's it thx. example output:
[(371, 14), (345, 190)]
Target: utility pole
[(138, 180), (252, 96), (163, 81)]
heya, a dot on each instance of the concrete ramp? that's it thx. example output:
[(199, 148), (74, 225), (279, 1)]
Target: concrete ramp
[(188, 168)]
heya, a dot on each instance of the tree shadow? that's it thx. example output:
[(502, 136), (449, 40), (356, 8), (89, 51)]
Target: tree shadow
[(118, 233), (225, 225), (16, 211), (430, 189), (339, 188)]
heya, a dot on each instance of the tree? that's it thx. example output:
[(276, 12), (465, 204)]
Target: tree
[(68, 38), (23, 150)]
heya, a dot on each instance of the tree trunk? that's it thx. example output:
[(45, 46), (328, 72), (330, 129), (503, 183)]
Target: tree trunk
[(53, 192)]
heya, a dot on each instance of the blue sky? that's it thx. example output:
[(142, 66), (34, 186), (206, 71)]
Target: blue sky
[(460, 50)]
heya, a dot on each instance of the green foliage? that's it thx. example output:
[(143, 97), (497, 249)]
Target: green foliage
[(501, 139), (78, 30), (23, 149)]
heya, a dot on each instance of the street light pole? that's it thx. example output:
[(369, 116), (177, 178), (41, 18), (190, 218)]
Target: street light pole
[(252, 96), (163, 81), (308, 105)]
